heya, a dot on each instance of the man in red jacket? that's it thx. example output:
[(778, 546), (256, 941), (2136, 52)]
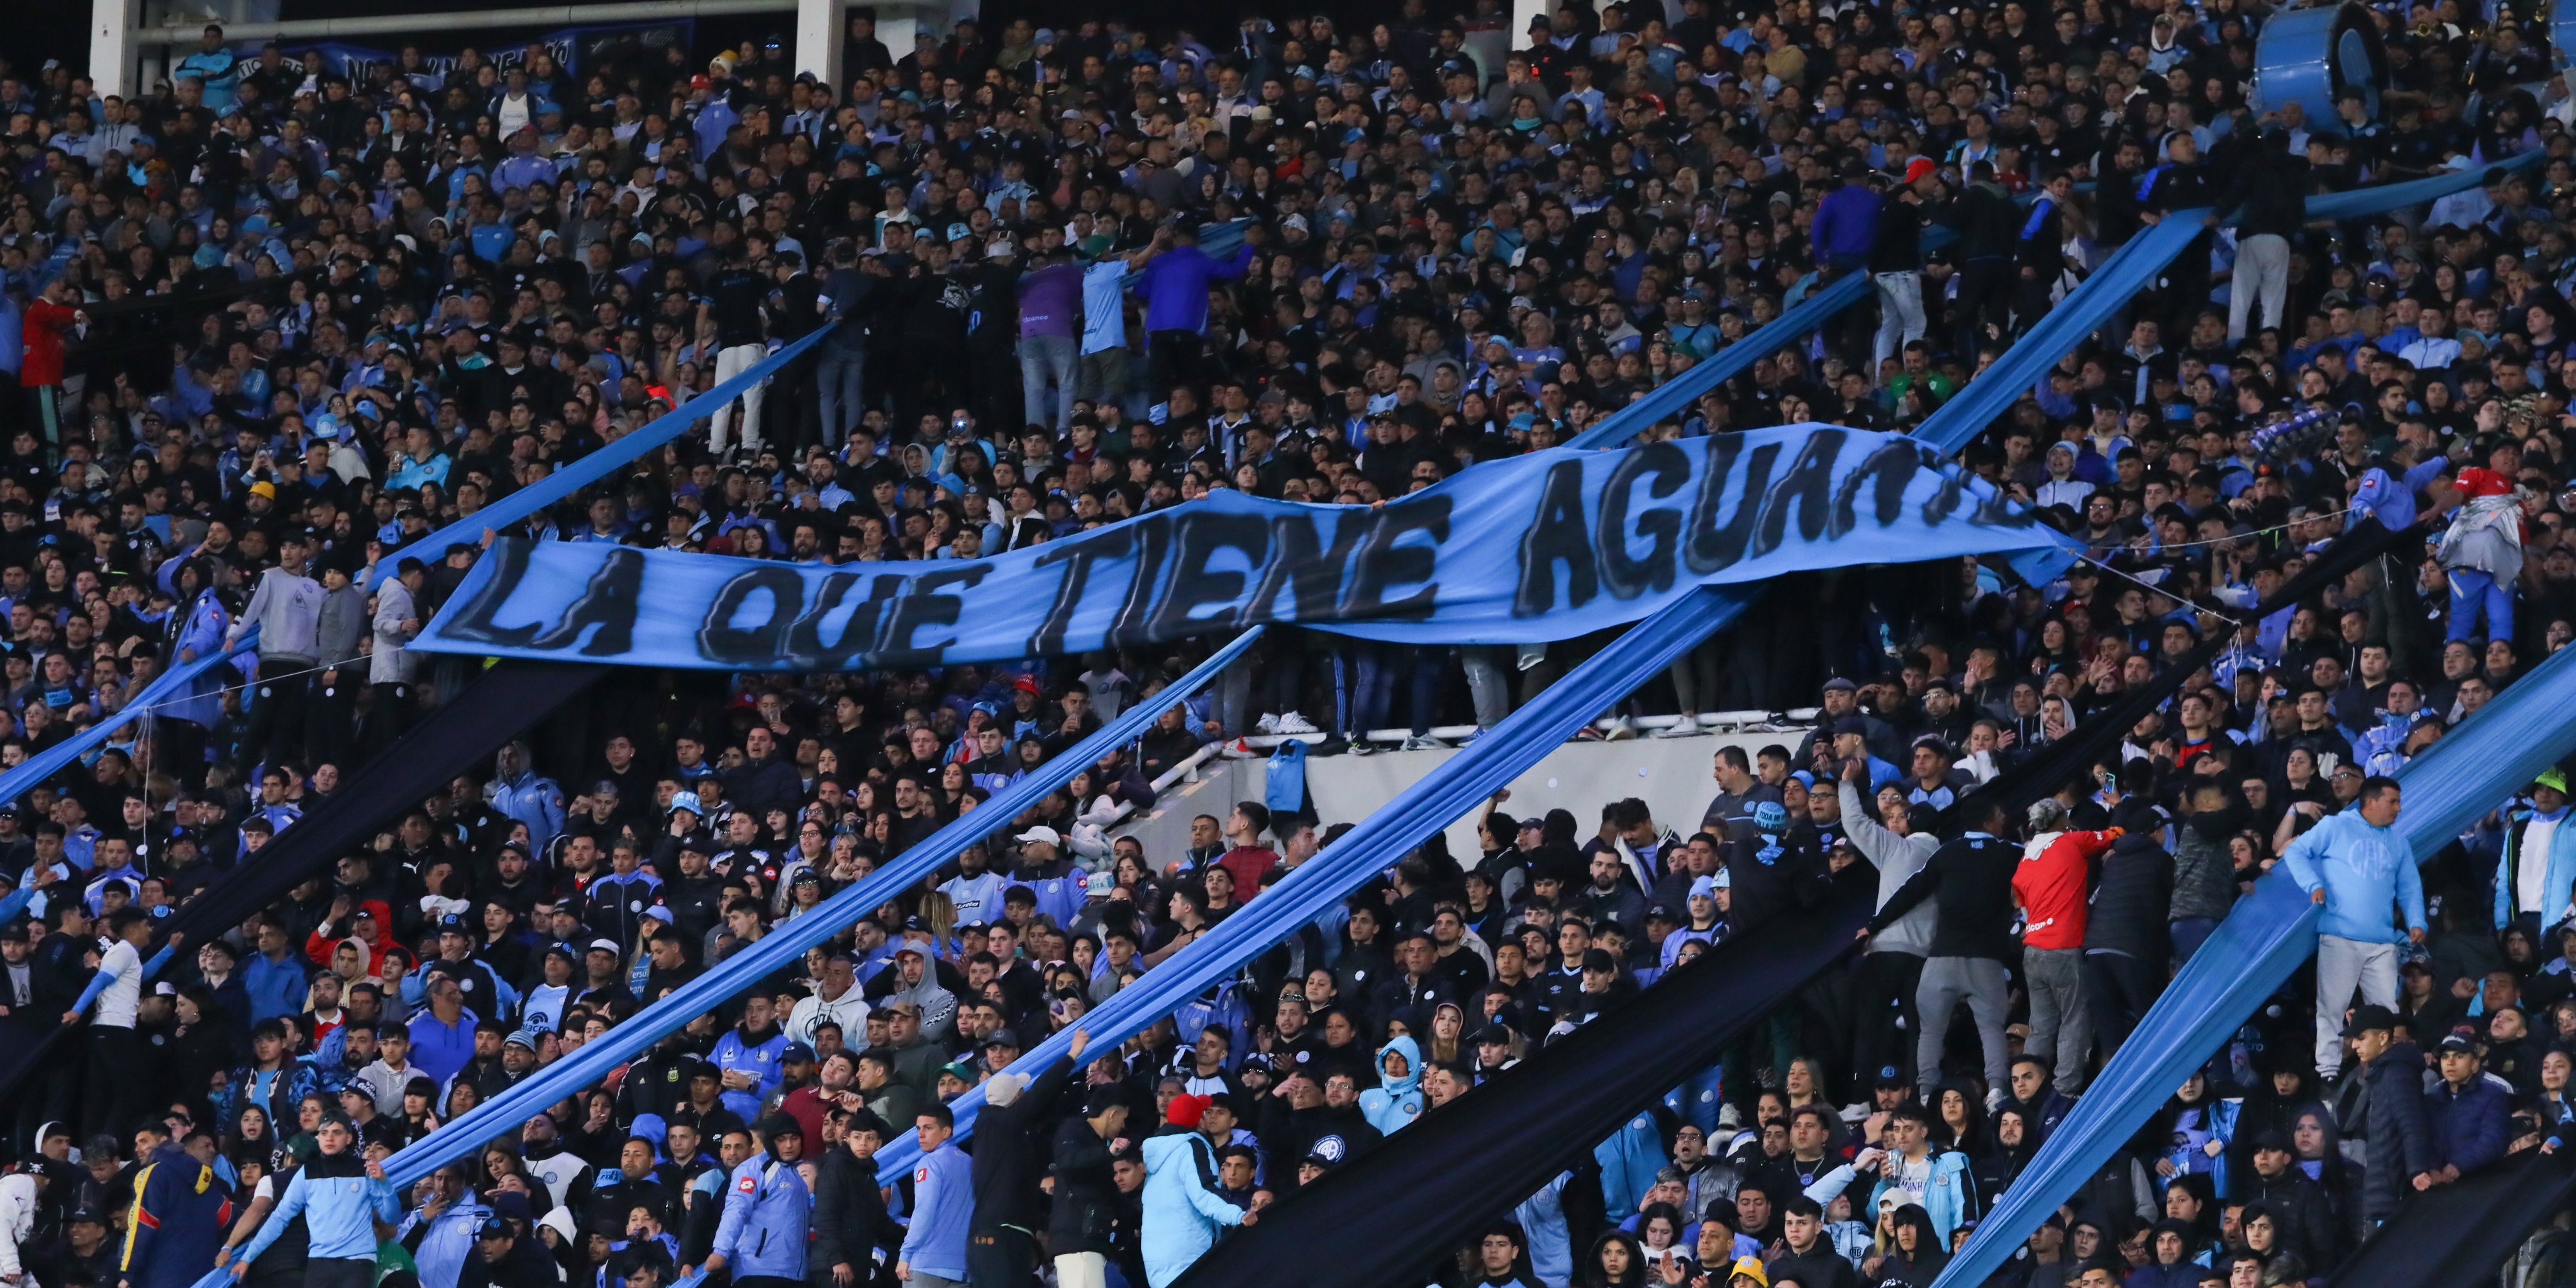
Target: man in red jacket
[(41, 373), (2050, 885)]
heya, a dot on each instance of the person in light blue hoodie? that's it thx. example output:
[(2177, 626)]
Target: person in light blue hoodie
[(1182, 1209), (2535, 881), (2357, 866), (1397, 1099), (340, 1198)]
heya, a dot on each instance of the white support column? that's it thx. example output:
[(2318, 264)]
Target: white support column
[(112, 46), (821, 25), (1522, 12)]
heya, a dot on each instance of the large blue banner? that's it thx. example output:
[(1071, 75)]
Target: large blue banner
[(1539, 547)]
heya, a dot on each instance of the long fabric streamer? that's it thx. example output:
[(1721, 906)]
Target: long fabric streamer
[(494, 709), (786, 945), (2262, 942), (2105, 729), (626, 450), (1455, 786), (45, 764), (1377, 1220), (2461, 1232), (1670, 397)]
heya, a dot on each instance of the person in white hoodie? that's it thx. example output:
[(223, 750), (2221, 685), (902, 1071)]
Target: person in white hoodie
[(837, 998), (1894, 961), (19, 1191)]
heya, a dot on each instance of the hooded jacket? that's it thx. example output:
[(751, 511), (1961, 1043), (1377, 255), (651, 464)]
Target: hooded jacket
[(2362, 869), (2204, 868), (1084, 1217), (181, 1211), (17, 1220), (340, 1207), (530, 798), (1397, 1100), (2558, 867), (2486, 534), (766, 1214), (2398, 1128), (1897, 858), (2471, 1125), (2132, 900), (1183, 1211)]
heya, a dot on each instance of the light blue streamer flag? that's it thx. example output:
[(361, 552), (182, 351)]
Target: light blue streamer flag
[(1452, 788), (1538, 547), (625, 450), (2260, 945), (785, 946), (168, 686)]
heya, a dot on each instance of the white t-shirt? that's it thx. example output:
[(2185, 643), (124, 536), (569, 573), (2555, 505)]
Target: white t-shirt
[(124, 993), (2531, 880)]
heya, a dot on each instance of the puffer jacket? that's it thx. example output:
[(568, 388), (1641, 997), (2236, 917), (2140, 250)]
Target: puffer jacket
[(1183, 1212), (2204, 871), (1397, 1100), (2132, 898)]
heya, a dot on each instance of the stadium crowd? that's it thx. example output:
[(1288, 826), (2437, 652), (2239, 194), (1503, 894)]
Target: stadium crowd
[(269, 325)]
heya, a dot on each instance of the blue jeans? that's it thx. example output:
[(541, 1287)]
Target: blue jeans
[(2471, 590), (2188, 935), (840, 376), (1044, 358)]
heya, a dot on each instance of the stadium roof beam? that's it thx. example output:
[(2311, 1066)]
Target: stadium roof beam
[(116, 39)]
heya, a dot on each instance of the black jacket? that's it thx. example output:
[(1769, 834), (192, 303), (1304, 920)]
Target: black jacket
[(2399, 1131), (1085, 1218), (850, 1220), (2303, 1214), (1006, 1155), (2131, 898), (1973, 876)]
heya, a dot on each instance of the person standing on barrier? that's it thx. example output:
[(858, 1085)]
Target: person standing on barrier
[(340, 1197), (1896, 264), (841, 358), (2357, 867), (732, 309), (287, 609), (1970, 937), (2268, 195), (1892, 969)]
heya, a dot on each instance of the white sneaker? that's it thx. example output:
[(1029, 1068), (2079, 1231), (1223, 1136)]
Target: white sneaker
[(1994, 1099), (1291, 722), (1621, 730), (1238, 750), (1267, 724), (1686, 726), (1424, 742)]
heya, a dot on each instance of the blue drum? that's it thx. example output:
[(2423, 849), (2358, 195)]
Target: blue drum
[(2310, 56)]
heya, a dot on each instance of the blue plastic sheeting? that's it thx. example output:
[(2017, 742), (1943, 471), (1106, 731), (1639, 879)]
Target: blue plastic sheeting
[(1708, 373), (2379, 199), (1993, 391), (624, 451), (2132, 269), (785, 946), (2261, 944), (1457, 785), (35, 769)]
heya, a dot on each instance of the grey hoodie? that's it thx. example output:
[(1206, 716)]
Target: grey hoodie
[(1897, 858)]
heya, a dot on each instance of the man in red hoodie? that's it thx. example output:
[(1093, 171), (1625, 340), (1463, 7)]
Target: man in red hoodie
[(2049, 885), (41, 348)]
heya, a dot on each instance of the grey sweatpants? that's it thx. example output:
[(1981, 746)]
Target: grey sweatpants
[(1981, 982), (2059, 1024), (2343, 965)]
